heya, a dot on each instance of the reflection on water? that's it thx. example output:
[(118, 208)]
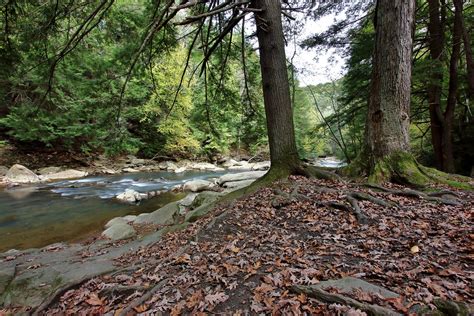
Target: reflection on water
[(67, 210)]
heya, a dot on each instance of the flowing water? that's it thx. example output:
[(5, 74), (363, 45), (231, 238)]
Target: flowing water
[(35, 216)]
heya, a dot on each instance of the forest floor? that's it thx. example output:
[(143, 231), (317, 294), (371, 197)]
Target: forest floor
[(247, 257)]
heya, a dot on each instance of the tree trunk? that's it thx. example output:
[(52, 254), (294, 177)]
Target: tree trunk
[(436, 44), (447, 139), (276, 92), (388, 120)]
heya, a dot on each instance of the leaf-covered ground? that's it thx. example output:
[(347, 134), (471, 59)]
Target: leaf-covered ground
[(244, 257)]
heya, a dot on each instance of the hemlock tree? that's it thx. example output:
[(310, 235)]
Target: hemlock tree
[(386, 155)]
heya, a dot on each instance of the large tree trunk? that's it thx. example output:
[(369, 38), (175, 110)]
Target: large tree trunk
[(276, 90), (388, 117), (436, 43)]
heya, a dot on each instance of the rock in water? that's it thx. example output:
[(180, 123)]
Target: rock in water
[(119, 231), (66, 174), (48, 170), (197, 185), (21, 174), (130, 196)]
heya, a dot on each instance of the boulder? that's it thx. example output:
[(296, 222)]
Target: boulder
[(130, 218), (205, 197), (186, 202), (238, 184), (114, 221), (181, 169), (138, 162), (242, 165), (130, 196), (229, 163), (130, 170), (66, 174), (162, 216), (231, 177), (20, 174), (48, 170), (197, 185), (264, 165), (204, 166), (167, 165), (3, 171), (141, 218), (119, 231)]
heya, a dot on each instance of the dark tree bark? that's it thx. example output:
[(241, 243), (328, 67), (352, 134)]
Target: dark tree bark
[(389, 105), (275, 83), (436, 45), (447, 138)]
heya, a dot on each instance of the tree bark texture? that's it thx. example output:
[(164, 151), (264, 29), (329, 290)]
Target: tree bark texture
[(436, 45), (388, 120), (276, 91)]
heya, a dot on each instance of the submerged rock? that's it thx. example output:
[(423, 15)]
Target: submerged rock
[(197, 185), (119, 231), (20, 174), (130, 196)]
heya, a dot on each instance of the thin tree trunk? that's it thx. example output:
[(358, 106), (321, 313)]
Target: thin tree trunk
[(447, 143), (389, 104), (469, 60), (276, 92), (436, 44)]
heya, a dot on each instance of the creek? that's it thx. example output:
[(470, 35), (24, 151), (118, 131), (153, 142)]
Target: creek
[(36, 216)]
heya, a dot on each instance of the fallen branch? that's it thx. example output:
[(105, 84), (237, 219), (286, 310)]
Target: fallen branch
[(324, 296)]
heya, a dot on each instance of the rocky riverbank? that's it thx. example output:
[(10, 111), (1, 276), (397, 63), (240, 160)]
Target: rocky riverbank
[(18, 174)]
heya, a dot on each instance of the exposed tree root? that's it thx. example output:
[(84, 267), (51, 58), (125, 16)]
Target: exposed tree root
[(142, 299), (330, 298), (433, 197)]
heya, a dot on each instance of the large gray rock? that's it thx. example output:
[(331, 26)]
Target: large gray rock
[(264, 165), (48, 170), (119, 231), (167, 165), (21, 174), (130, 196), (162, 216), (186, 202), (197, 185), (231, 177), (114, 221), (229, 163), (238, 184), (204, 166), (66, 174), (205, 197)]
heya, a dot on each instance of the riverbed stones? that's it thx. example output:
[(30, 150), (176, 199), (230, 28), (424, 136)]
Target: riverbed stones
[(119, 231), (181, 169), (130, 170), (263, 165), (167, 165), (197, 185), (232, 177), (130, 196), (238, 184), (20, 174), (229, 163), (63, 175), (116, 220), (48, 170)]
